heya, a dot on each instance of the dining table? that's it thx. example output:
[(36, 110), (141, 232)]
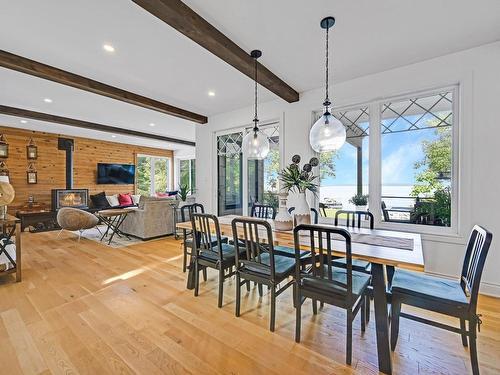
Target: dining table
[(384, 249)]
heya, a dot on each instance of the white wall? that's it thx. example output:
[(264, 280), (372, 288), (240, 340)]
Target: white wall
[(478, 74)]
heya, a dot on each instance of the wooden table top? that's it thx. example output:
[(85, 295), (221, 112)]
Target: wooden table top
[(393, 256), (115, 211)]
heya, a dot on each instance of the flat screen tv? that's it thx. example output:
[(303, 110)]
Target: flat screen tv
[(116, 174)]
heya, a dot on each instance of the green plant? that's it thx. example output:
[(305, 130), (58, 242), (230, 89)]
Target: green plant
[(183, 192), (299, 180), (359, 200)]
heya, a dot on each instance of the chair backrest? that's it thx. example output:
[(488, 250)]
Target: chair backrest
[(322, 209), (320, 245), (204, 226), (256, 237), (314, 214), (353, 218), (475, 257), (385, 212), (188, 209), (263, 211)]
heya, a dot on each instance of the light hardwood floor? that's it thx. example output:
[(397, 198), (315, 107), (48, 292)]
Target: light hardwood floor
[(85, 308)]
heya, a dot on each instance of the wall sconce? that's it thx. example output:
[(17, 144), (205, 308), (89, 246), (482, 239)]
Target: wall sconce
[(4, 171), (31, 175), (31, 150), (4, 147)]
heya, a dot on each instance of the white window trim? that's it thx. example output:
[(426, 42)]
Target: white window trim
[(178, 172), (375, 160), (152, 189)]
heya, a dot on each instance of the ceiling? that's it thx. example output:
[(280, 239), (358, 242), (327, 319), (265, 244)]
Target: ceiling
[(154, 60)]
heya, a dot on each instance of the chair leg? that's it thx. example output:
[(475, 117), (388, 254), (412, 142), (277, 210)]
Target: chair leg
[(464, 330), (298, 307), (248, 285), (273, 308), (367, 307), (196, 277), (348, 352), (259, 287), (315, 306), (184, 257), (238, 293), (221, 287), (395, 311), (363, 314), (204, 270), (473, 348)]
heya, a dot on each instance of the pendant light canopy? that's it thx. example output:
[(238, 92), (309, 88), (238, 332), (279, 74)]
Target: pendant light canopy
[(328, 133), (255, 144)]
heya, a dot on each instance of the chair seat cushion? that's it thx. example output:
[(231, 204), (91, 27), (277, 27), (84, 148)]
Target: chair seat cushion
[(290, 252), (283, 266), (213, 239), (428, 287), (212, 255), (357, 264), (338, 284)]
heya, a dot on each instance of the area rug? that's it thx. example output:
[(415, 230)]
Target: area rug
[(95, 235)]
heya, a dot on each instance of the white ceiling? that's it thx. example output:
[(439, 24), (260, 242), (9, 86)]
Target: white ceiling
[(154, 60)]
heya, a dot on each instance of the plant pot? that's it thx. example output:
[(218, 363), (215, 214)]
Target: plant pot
[(361, 208), (283, 220), (302, 212)]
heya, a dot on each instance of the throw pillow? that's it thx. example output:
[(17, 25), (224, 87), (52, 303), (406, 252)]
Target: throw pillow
[(125, 199), (172, 193), (162, 195), (113, 200), (136, 198), (99, 200)]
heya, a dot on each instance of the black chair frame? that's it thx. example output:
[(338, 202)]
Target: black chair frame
[(263, 211), (353, 217), (313, 210)]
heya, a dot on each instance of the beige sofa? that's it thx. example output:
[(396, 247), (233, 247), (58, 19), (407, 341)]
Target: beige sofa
[(153, 218)]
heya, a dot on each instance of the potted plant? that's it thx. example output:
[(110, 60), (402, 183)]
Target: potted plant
[(182, 194), (299, 180), (360, 201)]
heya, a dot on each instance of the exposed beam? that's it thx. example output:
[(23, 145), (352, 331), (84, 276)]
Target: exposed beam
[(37, 69), (25, 113), (185, 20)]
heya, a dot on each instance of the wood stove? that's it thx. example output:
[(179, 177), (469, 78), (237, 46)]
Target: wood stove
[(78, 198)]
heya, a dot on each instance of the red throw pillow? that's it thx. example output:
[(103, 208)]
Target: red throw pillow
[(161, 195), (125, 199)]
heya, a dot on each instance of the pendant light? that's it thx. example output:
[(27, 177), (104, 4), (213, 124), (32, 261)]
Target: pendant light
[(328, 133), (255, 144)]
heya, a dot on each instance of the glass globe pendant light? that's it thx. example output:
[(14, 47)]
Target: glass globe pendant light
[(328, 133), (255, 144)]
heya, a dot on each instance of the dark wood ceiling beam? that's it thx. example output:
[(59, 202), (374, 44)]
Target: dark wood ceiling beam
[(22, 64), (185, 20), (40, 116)]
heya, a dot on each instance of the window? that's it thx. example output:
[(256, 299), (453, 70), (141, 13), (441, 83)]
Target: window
[(344, 173), (153, 175), (413, 172), (188, 174), (416, 153), (229, 176)]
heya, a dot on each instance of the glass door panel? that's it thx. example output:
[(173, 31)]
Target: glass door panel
[(229, 174)]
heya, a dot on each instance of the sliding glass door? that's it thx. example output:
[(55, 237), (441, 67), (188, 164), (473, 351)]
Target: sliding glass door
[(243, 182)]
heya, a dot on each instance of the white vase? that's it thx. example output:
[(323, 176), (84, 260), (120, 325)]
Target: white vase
[(283, 220), (361, 208), (302, 211)]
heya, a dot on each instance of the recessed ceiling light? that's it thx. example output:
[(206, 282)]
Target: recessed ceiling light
[(47, 100), (152, 124), (108, 48), (23, 121), (211, 93), (113, 136)]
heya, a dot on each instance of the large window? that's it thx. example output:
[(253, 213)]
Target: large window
[(229, 176), (187, 170), (153, 175), (344, 173), (412, 175)]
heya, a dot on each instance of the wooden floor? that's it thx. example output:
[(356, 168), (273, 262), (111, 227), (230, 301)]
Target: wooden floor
[(85, 308)]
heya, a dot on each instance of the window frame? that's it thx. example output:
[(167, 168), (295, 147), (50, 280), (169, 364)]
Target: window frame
[(192, 162), (153, 158), (375, 159)]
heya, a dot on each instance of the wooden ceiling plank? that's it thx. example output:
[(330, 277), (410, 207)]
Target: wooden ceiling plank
[(24, 65), (40, 116), (185, 20)]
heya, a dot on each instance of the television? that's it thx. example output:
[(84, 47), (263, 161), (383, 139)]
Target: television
[(116, 174)]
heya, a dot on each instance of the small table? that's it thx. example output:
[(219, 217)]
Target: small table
[(114, 218), (11, 226)]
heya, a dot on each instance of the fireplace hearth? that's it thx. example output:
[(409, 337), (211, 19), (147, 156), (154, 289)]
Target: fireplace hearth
[(78, 198)]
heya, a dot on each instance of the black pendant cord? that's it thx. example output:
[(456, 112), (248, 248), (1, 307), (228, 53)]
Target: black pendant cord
[(327, 102), (256, 118)]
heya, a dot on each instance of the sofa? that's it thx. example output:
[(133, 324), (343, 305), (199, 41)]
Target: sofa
[(154, 217)]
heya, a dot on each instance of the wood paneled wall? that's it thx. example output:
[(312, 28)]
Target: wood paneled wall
[(50, 164)]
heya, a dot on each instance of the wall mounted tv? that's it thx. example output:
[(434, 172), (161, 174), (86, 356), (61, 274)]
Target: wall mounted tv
[(117, 174)]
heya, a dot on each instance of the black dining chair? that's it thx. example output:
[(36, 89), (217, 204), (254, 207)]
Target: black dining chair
[(456, 298), (261, 264), (263, 211), (315, 215), (208, 253), (187, 243), (340, 287), (322, 209)]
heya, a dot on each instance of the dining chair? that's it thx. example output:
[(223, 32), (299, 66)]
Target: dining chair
[(186, 211), (315, 215), (456, 298), (322, 209), (208, 253), (260, 264), (341, 287), (263, 211)]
